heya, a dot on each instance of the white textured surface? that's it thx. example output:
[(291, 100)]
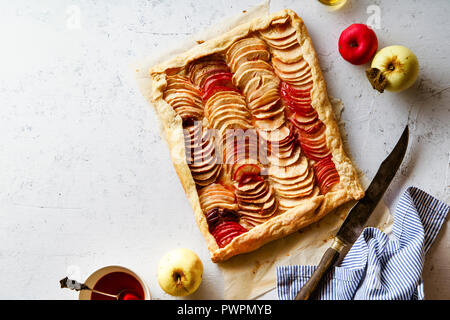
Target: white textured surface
[(86, 181)]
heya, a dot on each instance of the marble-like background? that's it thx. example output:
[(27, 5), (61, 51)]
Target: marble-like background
[(85, 179)]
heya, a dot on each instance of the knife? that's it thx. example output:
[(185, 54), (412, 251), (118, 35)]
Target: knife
[(358, 215)]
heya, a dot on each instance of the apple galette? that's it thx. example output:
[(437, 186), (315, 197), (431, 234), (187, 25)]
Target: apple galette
[(252, 134)]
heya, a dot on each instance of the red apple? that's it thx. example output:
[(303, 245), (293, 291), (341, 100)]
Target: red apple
[(358, 44)]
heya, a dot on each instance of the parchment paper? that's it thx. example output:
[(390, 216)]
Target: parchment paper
[(250, 275)]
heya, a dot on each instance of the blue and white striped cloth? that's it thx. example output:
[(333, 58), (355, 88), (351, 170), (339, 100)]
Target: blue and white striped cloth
[(379, 266)]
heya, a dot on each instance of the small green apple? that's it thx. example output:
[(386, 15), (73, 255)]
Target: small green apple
[(180, 272), (394, 68)]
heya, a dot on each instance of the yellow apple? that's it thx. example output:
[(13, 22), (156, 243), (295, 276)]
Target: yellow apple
[(394, 68), (180, 272)]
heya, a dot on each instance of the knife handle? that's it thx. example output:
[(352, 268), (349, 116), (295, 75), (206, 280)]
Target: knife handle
[(328, 259)]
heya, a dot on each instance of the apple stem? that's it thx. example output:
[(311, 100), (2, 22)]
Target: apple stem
[(178, 279), (377, 79)]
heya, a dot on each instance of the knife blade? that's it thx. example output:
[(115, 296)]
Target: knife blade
[(358, 215)]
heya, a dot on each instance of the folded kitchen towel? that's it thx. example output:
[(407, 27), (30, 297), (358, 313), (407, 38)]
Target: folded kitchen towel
[(379, 266)]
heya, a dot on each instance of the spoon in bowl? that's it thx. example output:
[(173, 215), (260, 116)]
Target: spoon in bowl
[(124, 294)]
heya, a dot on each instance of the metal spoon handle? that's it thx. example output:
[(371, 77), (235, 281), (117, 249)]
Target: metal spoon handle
[(115, 296), (77, 286)]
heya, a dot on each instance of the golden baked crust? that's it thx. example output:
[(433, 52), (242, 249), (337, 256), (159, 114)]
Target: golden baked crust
[(311, 209)]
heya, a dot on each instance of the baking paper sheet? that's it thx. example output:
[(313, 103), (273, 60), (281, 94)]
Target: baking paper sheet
[(250, 275)]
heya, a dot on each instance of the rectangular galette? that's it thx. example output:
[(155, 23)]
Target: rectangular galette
[(252, 134)]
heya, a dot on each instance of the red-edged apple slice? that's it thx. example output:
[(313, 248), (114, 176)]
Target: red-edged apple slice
[(226, 231), (303, 83), (294, 91), (305, 120), (303, 102), (200, 70), (246, 170), (326, 174), (217, 79), (309, 129)]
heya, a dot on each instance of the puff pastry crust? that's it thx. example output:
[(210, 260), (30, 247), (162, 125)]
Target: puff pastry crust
[(308, 211)]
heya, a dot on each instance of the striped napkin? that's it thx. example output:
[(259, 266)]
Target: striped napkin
[(379, 266)]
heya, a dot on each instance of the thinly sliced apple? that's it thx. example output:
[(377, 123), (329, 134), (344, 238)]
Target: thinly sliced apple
[(246, 169), (290, 55), (296, 170), (217, 196), (296, 91), (268, 84), (242, 79), (295, 77), (226, 231), (299, 193), (230, 110), (253, 41), (283, 43), (206, 95), (207, 178), (256, 53), (287, 68), (200, 70), (261, 199), (217, 79), (263, 115), (287, 204), (278, 135), (278, 31), (270, 124), (326, 174), (284, 162), (263, 208), (228, 119)]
